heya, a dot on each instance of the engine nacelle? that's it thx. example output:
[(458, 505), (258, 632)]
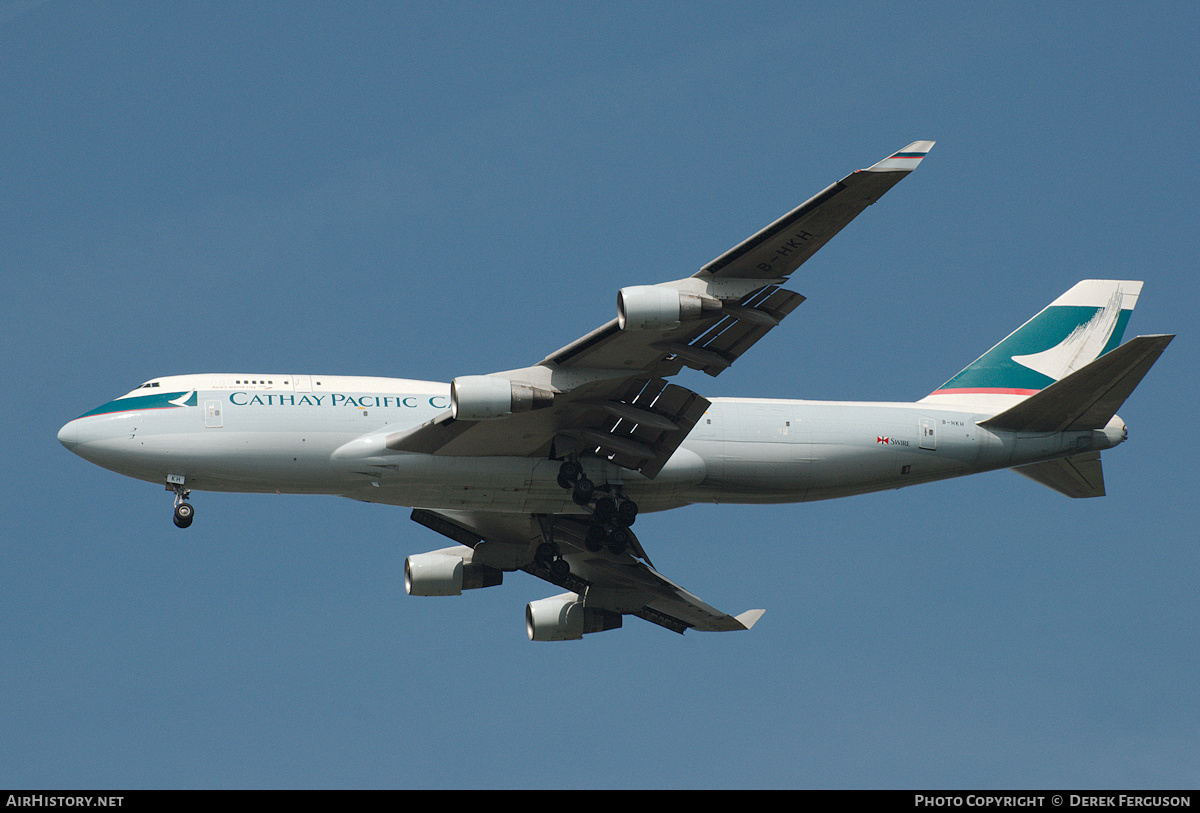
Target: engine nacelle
[(654, 307), (565, 618), (484, 397), (443, 574)]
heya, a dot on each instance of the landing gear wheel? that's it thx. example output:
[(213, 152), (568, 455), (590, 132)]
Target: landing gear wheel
[(184, 514), (570, 471), (595, 539), (549, 556), (618, 540), (627, 512), (584, 489), (605, 508)]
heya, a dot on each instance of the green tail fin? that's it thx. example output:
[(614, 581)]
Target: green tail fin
[(1068, 334)]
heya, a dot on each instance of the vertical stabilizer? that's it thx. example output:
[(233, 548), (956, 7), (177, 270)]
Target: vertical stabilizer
[(1068, 334)]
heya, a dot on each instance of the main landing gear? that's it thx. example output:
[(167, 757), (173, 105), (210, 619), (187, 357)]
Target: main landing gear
[(612, 513), (549, 555), (184, 512)]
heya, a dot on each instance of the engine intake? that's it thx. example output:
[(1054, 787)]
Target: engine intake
[(486, 397), (442, 574), (565, 618), (654, 307)]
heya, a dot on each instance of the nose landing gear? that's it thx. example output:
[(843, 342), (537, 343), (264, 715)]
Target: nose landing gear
[(184, 512)]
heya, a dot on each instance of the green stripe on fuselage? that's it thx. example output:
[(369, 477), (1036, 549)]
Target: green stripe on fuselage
[(156, 401)]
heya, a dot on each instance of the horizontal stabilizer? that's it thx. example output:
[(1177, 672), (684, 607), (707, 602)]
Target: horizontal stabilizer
[(1076, 476), (1088, 397)]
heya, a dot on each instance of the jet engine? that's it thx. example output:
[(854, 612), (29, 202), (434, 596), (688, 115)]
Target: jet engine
[(565, 618), (443, 574), (484, 397), (654, 307)]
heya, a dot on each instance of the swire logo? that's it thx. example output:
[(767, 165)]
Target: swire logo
[(882, 440)]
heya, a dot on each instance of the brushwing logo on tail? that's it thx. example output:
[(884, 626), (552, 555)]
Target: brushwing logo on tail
[(1082, 345), (1074, 330)]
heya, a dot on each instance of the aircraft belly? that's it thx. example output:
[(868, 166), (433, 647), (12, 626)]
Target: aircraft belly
[(234, 461), (759, 472), (753, 451), (873, 448), (838, 449), (510, 483), (1016, 449)]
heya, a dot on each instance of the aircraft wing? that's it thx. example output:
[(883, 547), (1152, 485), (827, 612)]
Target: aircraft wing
[(746, 278), (605, 394), (634, 421), (617, 583), (786, 244)]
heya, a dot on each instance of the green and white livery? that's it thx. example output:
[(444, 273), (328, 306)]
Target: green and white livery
[(545, 468), (1072, 331)]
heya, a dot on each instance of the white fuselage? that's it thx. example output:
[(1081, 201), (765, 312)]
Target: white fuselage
[(316, 435)]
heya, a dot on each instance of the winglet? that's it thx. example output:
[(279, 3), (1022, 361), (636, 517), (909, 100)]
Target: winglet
[(905, 160), (749, 618)]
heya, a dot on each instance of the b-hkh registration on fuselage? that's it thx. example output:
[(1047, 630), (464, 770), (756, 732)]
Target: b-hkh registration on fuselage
[(545, 468)]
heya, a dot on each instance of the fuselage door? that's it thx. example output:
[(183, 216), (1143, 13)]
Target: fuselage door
[(302, 383), (928, 438), (212, 415)]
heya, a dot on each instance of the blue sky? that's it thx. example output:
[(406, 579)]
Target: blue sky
[(431, 190)]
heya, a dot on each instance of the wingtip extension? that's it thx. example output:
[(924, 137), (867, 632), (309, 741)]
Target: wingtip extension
[(905, 160), (749, 618)]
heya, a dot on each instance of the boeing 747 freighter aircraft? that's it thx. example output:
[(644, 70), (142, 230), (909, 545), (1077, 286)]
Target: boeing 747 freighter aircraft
[(545, 468)]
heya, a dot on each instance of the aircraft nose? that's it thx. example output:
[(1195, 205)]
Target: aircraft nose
[(68, 437)]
